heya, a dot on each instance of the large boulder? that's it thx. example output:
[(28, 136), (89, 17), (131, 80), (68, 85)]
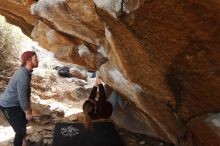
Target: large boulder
[(73, 17), (162, 56), (17, 13)]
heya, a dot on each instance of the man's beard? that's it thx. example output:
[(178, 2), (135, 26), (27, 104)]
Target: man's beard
[(33, 65)]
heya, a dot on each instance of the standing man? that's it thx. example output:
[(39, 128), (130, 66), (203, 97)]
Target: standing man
[(15, 101)]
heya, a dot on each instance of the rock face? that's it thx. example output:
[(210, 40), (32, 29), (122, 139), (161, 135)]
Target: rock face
[(162, 56), (206, 126), (75, 18), (17, 13)]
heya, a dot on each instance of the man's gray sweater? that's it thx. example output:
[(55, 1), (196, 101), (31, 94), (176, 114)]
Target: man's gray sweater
[(18, 91)]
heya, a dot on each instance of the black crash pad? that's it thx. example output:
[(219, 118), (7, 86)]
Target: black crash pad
[(74, 134)]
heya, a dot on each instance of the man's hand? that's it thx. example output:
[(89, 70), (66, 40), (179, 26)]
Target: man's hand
[(28, 115)]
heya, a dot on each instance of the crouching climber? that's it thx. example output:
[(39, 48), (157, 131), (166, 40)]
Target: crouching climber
[(96, 109)]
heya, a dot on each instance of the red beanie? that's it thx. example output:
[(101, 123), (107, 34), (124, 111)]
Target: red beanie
[(26, 55)]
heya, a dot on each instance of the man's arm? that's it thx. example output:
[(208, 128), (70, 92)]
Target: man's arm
[(23, 88), (94, 89), (93, 93), (102, 95)]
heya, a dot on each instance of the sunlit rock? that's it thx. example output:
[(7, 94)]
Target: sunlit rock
[(17, 13), (114, 7), (50, 38), (58, 112), (39, 109), (92, 59), (117, 7), (75, 18)]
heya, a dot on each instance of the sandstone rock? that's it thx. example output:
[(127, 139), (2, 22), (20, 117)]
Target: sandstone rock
[(78, 94), (72, 118), (76, 73), (132, 5), (40, 109), (206, 129), (112, 7), (79, 12), (31, 131), (53, 90), (68, 95), (42, 120), (130, 113), (49, 128), (18, 14), (57, 120), (82, 93), (166, 65), (92, 60), (35, 137), (80, 82), (117, 7), (121, 74), (58, 112), (50, 38)]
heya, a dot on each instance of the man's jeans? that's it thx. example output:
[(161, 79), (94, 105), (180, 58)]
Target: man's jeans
[(16, 118)]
